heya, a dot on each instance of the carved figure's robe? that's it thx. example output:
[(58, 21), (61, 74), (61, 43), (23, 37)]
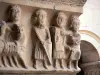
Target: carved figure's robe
[(74, 42), (43, 40), (58, 43)]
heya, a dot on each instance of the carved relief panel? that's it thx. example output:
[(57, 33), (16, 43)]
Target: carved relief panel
[(50, 43)]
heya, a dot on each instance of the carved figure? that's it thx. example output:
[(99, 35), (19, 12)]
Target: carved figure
[(74, 42), (58, 33), (2, 45), (43, 46), (13, 22), (13, 38), (3, 27)]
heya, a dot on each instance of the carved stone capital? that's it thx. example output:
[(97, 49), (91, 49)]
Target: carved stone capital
[(91, 68)]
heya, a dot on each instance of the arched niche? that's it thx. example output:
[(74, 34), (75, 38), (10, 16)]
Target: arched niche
[(89, 58), (88, 52), (92, 38)]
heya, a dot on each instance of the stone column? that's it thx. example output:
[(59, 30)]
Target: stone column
[(91, 68)]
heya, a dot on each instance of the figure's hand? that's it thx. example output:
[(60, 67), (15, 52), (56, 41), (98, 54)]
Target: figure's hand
[(48, 41), (64, 32), (68, 48), (42, 42)]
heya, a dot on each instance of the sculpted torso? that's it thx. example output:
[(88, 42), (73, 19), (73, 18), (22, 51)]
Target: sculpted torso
[(59, 39)]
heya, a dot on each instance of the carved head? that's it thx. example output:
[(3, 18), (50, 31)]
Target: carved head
[(14, 13), (41, 17), (61, 19), (75, 22)]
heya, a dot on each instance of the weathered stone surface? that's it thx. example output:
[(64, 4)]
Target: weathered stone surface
[(66, 5), (39, 40), (65, 2)]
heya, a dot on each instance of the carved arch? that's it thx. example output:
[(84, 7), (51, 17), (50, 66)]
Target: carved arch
[(89, 52), (92, 38), (96, 37), (90, 59)]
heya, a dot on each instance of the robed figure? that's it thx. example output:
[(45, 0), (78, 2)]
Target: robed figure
[(74, 40), (14, 38), (43, 46), (58, 33)]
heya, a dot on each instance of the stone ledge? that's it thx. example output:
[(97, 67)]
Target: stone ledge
[(50, 5), (36, 73), (32, 70), (30, 74)]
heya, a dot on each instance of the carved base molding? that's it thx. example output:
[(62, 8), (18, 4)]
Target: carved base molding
[(30, 74), (34, 73), (5, 71)]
